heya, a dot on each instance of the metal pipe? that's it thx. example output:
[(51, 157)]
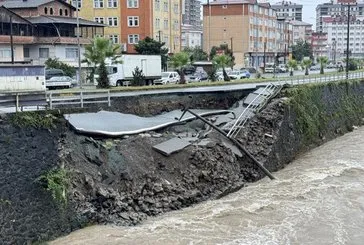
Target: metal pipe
[(234, 141), (11, 40), (347, 43), (78, 46)]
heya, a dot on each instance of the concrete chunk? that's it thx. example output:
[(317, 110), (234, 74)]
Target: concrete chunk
[(171, 146)]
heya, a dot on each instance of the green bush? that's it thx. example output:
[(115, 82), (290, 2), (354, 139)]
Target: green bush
[(103, 80), (56, 64), (56, 181), (33, 119), (138, 77)]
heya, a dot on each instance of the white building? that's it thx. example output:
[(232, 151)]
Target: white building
[(336, 29), (301, 31), (288, 10), (191, 36)]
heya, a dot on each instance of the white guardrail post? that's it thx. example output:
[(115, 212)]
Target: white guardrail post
[(50, 101), (81, 99), (108, 98)]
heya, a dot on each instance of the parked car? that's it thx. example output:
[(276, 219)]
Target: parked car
[(167, 78), (249, 69), (315, 68), (192, 78), (331, 66), (60, 82), (282, 68), (239, 74)]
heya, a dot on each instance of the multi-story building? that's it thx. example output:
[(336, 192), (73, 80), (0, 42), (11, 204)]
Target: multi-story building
[(249, 28), (319, 44), (288, 10), (106, 12), (335, 9), (191, 12), (191, 36), (159, 19), (336, 29), (301, 31), (43, 29)]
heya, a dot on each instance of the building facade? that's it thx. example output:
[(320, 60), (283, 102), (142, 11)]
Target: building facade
[(191, 37), (288, 10), (250, 29), (106, 12), (41, 30), (336, 9), (302, 31), (191, 12), (336, 29), (319, 44)]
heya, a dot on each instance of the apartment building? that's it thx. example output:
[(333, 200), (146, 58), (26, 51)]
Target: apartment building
[(336, 9), (288, 10), (301, 31), (336, 29), (191, 36), (105, 12), (249, 28), (191, 12), (43, 29), (319, 44), (166, 24)]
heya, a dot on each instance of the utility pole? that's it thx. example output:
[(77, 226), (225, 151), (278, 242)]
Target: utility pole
[(11, 40), (265, 47), (209, 36), (78, 46), (347, 44)]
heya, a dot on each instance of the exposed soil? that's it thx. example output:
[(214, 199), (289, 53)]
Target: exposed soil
[(123, 181)]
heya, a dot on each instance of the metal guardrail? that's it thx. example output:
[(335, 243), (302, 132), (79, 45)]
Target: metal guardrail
[(19, 100), (59, 98), (262, 98)]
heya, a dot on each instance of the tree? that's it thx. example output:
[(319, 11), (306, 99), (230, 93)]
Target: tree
[(196, 54), (98, 51), (222, 61), (178, 61), (292, 64), (149, 46), (323, 60), (56, 64), (138, 77), (301, 49), (306, 63), (102, 80), (226, 50)]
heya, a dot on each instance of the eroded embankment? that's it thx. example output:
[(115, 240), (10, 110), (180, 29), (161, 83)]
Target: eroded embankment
[(123, 180)]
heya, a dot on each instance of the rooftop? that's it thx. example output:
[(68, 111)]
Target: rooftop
[(299, 23), (65, 20), (18, 4)]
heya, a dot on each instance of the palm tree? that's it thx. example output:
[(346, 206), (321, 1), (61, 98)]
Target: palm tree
[(306, 63), (222, 61), (292, 64), (98, 51), (323, 61), (178, 61)]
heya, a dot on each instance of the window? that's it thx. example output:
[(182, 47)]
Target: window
[(112, 21), (157, 23), (60, 12), (26, 52), (133, 3), (175, 25), (112, 3), (74, 3), (133, 39), (71, 53), (51, 11), (133, 21), (165, 24), (100, 20), (43, 52), (45, 10), (157, 5), (98, 3), (175, 8), (114, 38), (66, 12), (5, 53), (165, 6)]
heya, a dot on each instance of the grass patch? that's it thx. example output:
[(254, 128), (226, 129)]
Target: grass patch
[(56, 181), (34, 119)]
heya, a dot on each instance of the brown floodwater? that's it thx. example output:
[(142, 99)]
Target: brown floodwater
[(317, 199)]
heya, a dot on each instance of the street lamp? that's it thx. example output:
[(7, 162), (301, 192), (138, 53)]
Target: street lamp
[(78, 45)]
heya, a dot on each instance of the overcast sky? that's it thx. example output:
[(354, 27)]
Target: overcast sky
[(309, 8)]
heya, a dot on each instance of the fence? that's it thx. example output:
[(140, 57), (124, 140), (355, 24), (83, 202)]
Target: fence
[(57, 98)]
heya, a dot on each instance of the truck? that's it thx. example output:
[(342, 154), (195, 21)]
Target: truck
[(121, 74)]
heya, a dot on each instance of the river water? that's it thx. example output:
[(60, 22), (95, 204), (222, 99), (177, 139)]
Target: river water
[(317, 199)]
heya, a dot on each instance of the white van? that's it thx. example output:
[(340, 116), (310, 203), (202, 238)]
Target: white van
[(168, 77)]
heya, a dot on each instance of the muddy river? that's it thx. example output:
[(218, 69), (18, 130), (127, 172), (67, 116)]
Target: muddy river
[(317, 199)]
